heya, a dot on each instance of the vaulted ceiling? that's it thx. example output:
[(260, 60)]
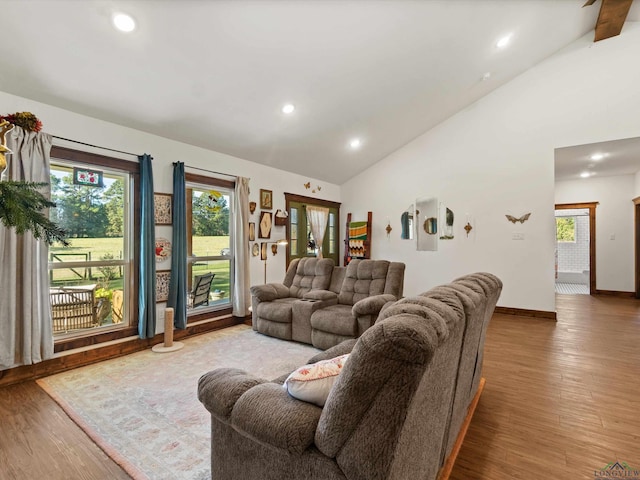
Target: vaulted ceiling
[(216, 74)]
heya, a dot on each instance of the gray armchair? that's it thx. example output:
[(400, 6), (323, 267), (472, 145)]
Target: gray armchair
[(367, 286)]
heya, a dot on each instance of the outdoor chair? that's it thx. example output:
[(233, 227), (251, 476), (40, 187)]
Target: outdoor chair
[(199, 295)]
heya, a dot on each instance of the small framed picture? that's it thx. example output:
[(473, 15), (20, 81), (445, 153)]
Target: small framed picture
[(162, 208), (263, 250), (264, 228), (252, 231), (162, 285), (266, 199)]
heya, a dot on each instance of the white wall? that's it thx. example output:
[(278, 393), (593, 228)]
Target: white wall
[(164, 151), (497, 157), (614, 218)]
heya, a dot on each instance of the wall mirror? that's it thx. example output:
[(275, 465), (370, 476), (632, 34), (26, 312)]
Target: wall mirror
[(407, 224), (426, 223)]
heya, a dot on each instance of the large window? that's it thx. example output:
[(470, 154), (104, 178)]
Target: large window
[(301, 240), (92, 278), (209, 243)]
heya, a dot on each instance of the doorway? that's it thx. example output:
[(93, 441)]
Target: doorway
[(575, 249)]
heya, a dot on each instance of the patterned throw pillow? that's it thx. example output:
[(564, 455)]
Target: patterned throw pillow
[(312, 383)]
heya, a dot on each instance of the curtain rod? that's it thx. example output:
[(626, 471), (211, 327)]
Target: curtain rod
[(210, 171), (95, 146)]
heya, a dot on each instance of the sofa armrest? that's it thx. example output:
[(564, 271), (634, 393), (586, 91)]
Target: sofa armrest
[(269, 292), (269, 415), (320, 295), (220, 389), (371, 305), (340, 349)]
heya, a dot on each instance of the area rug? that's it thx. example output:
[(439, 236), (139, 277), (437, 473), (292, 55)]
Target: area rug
[(143, 410)]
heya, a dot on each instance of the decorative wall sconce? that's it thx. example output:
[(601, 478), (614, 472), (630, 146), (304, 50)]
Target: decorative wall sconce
[(388, 229), (468, 228)]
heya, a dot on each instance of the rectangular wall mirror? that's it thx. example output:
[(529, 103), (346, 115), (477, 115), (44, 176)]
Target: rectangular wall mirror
[(426, 223)]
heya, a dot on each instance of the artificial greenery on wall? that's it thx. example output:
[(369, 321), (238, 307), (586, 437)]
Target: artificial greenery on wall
[(22, 203)]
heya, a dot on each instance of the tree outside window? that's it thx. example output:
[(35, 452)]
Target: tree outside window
[(566, 229)]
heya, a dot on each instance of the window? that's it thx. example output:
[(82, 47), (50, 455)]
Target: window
[(93, 279), (299, 236), (209, 243), (566, 229)]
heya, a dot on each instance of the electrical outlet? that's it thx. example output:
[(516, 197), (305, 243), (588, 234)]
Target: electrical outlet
[(517, 236)]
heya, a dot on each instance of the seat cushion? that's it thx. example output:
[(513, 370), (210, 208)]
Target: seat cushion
[(277, 311), (335, 319)]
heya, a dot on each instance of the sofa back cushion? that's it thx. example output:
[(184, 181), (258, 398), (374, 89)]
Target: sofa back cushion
[(362, 279), (310, 274), (365, 278)]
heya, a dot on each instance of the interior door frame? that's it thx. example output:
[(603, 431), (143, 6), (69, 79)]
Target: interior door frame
[(636, 203), (591, 206)]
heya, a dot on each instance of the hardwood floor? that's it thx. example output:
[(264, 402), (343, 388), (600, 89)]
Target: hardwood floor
[(561, 401), (39, 442)]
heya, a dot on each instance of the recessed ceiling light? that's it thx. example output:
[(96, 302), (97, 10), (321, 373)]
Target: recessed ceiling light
[(504, 41), (124, 22), (355, 143), (597, 156), (288, 108), (585, 174)]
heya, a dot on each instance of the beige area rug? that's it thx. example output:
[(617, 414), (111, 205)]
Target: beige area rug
[(143, 410)]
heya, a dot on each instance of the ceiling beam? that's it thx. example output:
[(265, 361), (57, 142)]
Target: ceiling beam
[(611, 18)]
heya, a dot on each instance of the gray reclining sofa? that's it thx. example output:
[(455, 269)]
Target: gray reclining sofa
[(321, 304), (393, 413)]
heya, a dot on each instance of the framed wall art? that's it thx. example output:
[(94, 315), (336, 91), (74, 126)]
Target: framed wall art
[(163, 249), (162, 208), (252, 231), (263, 251), (264, 228), (266, 199), (162, 285)]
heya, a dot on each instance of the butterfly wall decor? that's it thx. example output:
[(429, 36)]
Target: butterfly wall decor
[(522, 219)]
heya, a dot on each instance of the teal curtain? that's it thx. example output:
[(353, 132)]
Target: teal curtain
[(178, 282), (147, 285)]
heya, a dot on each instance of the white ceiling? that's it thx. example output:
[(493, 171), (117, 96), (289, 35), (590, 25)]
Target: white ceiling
[(621, 157), (216, 73)]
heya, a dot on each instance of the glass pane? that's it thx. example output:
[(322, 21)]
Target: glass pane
[(311, 243), (210, 223), (219, 288), (92, 216), (294, 215), (83, 298), (332, 233), (293, 239)]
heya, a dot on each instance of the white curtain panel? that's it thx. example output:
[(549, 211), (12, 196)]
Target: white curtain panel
[(318, 218), (241, 298), (26, 331)]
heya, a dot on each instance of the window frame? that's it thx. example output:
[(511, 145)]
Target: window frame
[(193, 179), (294, 198), (92, 337)]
